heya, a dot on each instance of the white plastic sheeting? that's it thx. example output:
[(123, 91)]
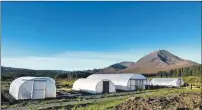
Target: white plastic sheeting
[(94, 86), (169, 82), (124, 81), (33, 88), (148, 82)]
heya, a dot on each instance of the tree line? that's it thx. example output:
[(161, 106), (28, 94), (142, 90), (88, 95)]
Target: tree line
[(12, 73), (195, 70), (8, 73)]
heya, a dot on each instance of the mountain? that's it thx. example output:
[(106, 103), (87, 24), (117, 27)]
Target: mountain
[(160, 60), (116, 67)]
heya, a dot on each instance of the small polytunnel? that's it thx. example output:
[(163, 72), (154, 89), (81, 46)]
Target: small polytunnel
[(94, 86), (33, 88), (169, 82)]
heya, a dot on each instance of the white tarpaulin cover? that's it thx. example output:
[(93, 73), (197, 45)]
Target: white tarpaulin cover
[(33, 88), (124, 81), (175, 82), (94, 86)]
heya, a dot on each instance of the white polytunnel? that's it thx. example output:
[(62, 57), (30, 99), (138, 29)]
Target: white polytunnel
[(124, 81), (33, 88), (169, 82), (94, 86)]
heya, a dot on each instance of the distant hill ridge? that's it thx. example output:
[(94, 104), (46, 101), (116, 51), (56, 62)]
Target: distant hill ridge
[(116, 67)]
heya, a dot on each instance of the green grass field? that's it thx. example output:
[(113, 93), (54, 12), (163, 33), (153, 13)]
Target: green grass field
[(192, 80), (64, 85)]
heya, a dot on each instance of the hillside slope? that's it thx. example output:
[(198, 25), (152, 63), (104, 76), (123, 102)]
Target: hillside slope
[(116, 67), (160, 60)]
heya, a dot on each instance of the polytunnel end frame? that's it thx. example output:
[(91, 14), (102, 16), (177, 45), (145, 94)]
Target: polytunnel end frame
[(32, 85)]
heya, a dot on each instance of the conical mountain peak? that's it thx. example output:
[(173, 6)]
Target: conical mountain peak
[(158, 60)]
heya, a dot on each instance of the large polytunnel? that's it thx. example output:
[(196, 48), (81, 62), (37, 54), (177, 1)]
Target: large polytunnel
[(94, 86), (124, 81), (33, 88)]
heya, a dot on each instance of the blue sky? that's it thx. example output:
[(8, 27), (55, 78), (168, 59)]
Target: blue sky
[(78, 35)]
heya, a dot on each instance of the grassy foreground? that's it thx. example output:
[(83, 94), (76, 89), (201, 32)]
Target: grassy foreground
[(101, 105), (154, 93), (109, 104), (89, 103)]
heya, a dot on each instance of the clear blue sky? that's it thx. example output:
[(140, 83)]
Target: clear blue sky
[(49, 28)]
